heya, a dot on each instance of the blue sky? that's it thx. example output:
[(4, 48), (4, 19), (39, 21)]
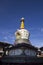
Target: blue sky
[(11, 12)]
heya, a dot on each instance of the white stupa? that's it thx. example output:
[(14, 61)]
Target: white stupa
[(22, 35)]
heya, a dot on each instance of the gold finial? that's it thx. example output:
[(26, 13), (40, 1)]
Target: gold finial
[(22, 23)]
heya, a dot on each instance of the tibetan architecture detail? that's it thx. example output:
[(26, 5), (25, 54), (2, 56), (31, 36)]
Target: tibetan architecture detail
[(22, 51), (22, 35)]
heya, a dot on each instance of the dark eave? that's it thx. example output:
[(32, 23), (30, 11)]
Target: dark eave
[(41, 48), (4, 44), (25, 45)]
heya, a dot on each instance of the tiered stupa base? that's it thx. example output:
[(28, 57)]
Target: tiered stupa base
[(19, 41)]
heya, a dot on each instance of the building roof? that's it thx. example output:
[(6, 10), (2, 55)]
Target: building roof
[(25, 45), (4, 44), (41, 48)]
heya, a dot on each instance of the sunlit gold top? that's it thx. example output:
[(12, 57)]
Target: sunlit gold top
[(22, 23)]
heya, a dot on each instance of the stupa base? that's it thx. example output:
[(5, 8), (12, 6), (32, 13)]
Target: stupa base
[(19, 41)]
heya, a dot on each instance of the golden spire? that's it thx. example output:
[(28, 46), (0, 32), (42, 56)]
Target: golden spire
[(22, 23)]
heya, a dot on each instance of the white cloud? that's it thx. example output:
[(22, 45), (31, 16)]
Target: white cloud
[(37, 42), (5, 38), (41, 29)]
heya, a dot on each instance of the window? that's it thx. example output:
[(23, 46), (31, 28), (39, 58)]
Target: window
[(27, 52), (11, 52), (18, 51), (15, 52), (30, 52)]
